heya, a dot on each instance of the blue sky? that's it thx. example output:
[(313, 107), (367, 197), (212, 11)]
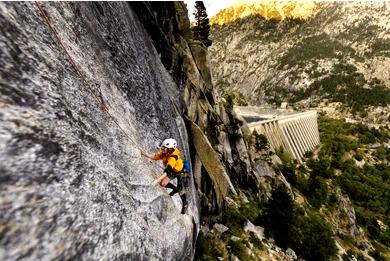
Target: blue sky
[(212, 7)]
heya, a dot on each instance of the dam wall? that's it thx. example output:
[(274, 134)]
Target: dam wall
[(296, 133)]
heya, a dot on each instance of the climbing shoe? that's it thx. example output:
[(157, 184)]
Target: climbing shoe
[(173, 192), (173, 187), (184, 209)]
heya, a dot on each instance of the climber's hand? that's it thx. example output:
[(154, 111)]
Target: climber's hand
[(143, 153)]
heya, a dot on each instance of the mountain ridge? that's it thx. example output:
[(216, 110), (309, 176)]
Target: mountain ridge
[(293, 59), (267, 9)]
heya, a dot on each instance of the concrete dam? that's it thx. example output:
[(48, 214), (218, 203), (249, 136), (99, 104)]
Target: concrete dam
[(296, 132)]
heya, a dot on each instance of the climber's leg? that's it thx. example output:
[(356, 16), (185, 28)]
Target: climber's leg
[(173, 187), (185, 203), (164, 181), (181, 186)]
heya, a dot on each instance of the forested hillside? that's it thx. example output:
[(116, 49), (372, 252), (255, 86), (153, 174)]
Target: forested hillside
[(339, 54)]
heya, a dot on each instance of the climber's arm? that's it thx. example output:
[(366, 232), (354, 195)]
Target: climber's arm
[(156, 156), (163, 176)]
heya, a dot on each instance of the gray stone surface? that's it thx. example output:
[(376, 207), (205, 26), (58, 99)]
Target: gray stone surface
[(72, 186), (225, 147), (220, 228), (210, 160), (291, 254), (234, 238), (234, 258), (258, 231), (347, 209)]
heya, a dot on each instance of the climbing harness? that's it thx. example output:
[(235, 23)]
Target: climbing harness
[(86, 83)]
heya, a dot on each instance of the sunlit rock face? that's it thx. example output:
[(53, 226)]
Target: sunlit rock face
[(269, 9), (270, 61), (72, 184)]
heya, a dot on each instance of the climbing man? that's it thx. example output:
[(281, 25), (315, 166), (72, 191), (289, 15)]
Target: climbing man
[(173, 168)]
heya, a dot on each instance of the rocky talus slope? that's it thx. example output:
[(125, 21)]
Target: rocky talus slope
[(341, 53)]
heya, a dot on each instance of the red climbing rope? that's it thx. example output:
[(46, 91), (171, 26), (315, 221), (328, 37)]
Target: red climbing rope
[(86, 82)]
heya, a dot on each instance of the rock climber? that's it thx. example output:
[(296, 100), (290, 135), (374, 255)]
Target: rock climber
[(173, 168)]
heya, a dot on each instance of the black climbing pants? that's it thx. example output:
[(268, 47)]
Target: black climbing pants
[(181, 189)]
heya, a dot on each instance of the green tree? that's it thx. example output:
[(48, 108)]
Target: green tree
[(201, 29), (261, 141), (318, 191), (288, 225), (313, 239), (288, 170), (279, 216)]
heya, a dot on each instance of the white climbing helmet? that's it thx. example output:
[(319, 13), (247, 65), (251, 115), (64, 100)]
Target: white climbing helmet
[(169, 143)]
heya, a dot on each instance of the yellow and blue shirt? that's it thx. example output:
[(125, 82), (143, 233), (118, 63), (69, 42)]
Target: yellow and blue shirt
[(171, 160)]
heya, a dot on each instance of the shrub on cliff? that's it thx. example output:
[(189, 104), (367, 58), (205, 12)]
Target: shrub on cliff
[(290, 228), (206, 249), (313, 238), (234, 220), (377, 255), (238, 249), (289, 172), (279, 217), (260, 141), (317, 192)]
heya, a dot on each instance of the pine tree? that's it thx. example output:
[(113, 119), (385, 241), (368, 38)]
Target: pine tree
[(201, 30), (279, 216)]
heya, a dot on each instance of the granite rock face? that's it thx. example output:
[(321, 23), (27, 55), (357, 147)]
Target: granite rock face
[(72, 184)]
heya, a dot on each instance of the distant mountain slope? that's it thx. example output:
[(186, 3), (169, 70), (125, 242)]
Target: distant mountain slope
[(277, 10), (341, 54)]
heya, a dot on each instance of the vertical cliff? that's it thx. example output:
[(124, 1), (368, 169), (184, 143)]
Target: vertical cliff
[(185, 59), (78, 81), (83, 87)]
